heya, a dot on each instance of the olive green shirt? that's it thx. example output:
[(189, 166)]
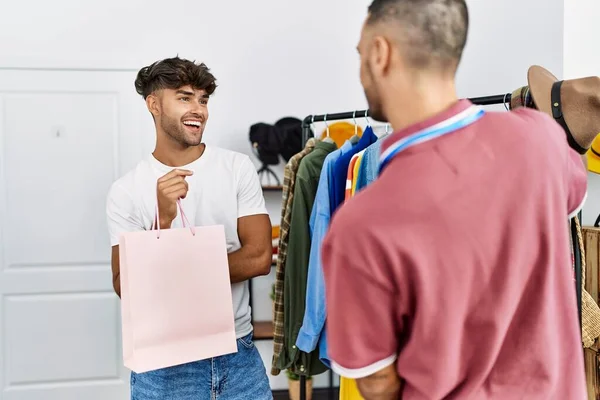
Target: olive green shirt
[(296, 269)]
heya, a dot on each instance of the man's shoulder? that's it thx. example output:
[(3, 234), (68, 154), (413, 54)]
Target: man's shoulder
[(530, 121), (231, 164), (228, 155)]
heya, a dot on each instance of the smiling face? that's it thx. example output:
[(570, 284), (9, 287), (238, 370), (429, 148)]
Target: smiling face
[(181, 114)]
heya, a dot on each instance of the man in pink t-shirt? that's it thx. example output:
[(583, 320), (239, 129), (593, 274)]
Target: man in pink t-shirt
[(450, 276)]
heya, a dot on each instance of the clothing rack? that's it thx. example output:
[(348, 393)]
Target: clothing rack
[(306, 122), (483, 101)]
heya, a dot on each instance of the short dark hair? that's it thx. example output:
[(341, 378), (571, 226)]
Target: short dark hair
[(434, 30), (173, 73)]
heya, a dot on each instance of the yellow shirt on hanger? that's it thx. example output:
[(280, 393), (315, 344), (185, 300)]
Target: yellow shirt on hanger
[(339, 132), (355, 172)]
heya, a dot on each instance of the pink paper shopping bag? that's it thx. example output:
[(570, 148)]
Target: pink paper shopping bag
[(175, 296)]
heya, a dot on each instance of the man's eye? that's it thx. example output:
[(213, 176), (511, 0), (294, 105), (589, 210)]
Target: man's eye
[(185, 99), (204, 102)]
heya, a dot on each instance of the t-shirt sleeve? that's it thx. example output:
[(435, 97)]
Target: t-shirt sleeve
[(362, 330), (121, 214), (574, 169), (250, 196), (576, 176)]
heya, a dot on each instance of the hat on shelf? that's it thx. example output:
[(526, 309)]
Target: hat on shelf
[(573, 103), (289, 130), (284, 138)]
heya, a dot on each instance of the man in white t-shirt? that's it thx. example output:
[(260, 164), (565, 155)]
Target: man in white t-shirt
[(215, 186)]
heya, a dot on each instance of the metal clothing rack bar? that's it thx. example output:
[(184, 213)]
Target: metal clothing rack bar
[(489, 100), (483, 101), (307, 121)]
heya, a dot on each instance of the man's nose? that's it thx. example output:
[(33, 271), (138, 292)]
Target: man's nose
[(198, 110)]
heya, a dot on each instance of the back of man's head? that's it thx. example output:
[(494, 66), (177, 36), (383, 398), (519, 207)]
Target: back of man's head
[(430, 33)]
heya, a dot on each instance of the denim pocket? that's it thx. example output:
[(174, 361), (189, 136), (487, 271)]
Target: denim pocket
[(247, 341)]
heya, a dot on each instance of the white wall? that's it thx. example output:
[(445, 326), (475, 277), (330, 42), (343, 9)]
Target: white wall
[(272, 58), (506, 37), (582, 58)]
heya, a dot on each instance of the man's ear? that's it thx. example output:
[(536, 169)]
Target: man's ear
[(381, 55), (153, 104)]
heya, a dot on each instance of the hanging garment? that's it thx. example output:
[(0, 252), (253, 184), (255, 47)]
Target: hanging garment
[(347, 148), (340, 132), (296, 268), (289, 181), (349, 176), (349, 389), (591, 239), (312, 333), (355, 172), (367, 172), (341, 167), (590, 312)]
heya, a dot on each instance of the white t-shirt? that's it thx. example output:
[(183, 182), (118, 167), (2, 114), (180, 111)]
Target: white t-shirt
[(223, 188)]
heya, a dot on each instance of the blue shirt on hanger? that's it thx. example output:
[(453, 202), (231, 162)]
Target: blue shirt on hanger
[(312, 333), (369, 166), (341, 167)]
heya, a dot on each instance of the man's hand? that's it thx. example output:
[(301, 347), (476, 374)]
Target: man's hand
[(382, 385), (170, 188)]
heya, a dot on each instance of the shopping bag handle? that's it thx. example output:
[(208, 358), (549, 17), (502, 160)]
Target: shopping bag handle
[(184, 220)]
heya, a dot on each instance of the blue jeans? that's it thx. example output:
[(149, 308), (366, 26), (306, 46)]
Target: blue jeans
[(238, 376)]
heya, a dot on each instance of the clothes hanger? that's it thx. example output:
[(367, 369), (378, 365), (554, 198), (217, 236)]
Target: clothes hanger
[(328, 138), (355, 138), (312, 126)]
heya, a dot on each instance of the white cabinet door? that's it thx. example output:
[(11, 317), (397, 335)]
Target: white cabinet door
[(65, 136)]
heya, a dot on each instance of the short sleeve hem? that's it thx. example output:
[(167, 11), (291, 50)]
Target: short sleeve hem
[(246, 212), (579, 207), (365, 371)]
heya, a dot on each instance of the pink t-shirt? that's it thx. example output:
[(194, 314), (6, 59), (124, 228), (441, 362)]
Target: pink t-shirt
[(455, 265)]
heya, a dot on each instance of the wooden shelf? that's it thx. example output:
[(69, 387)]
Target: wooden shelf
[(263, 330)]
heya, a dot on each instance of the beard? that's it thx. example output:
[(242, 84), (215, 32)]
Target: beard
[(373, 96), (175, 129)]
